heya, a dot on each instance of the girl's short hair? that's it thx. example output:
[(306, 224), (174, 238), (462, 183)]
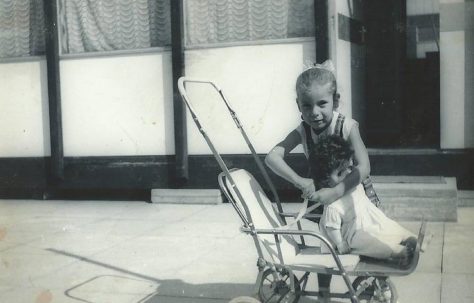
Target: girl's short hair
[(319, 75), (327, 155)]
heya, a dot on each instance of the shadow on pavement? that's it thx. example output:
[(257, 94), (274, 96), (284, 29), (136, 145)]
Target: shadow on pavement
[(136, 287)]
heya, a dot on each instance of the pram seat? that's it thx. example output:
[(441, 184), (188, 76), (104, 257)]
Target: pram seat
[(258, 209)]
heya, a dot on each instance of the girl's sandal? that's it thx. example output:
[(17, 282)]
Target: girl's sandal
[(410, 245)]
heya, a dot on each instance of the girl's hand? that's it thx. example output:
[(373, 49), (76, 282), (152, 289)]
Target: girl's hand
[(325, 195), (306, 185)]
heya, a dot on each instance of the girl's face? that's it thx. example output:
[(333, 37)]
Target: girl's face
[(340, 173), (317, 105)]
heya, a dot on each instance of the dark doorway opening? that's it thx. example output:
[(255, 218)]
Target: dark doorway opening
[(403, 98)]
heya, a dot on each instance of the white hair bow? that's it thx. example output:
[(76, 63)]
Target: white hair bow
[(327, 65)]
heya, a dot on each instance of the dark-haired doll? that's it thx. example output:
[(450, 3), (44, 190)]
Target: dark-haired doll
[(353, 223)]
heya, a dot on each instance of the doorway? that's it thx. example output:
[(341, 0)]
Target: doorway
[(403, 97)]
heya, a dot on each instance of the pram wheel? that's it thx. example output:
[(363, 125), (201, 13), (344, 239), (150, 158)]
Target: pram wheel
[(375, 289), (276, 287)]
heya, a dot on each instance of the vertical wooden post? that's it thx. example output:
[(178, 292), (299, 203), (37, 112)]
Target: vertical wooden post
[(321, 30), (54, 90), (177, 54)]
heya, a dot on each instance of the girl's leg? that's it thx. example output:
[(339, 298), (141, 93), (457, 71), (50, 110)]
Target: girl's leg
[(366, 244), (324, 282)]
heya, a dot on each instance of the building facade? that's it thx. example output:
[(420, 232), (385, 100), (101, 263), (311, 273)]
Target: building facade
[(90, 107)]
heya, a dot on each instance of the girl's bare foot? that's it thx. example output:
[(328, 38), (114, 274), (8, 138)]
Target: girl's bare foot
[(400, 253), (405, 253)]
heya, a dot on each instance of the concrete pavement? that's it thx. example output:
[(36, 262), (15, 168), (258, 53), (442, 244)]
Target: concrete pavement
[(109, 251)]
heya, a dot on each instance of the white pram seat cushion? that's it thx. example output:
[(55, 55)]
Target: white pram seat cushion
[(264, 216)]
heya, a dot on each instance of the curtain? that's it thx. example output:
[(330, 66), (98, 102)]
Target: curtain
[(214, 21), (21, 28), (103, 25)]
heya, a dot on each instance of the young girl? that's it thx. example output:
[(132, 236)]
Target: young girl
[(317, 100), (352, 223)]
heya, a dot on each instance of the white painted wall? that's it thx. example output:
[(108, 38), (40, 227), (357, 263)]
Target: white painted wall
[(343, 53), (344, 59), (24, 117), (422, 7), (259, 81), (119, 105), (456, 68), (122, 105), (452, 89)]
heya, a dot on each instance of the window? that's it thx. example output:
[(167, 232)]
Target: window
[(21, 28), (105, 25), (218, 21)]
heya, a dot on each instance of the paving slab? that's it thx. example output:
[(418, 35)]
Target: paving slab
[(77, 243), (112, 288), (179, 253), (466, 216), (457, 288), (14, 239), (35, 295), (458, 254), (158, 298), (419, 287), (19, 269), (159, 257), (79, 272), (466, 198)]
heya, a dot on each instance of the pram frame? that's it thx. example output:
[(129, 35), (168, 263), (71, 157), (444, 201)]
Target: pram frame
[(363, 269)]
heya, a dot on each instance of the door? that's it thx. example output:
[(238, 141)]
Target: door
[(385, 38)]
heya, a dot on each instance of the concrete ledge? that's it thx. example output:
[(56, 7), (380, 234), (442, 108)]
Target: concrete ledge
[(466, 198), (446, 188), (408, 179), (414, 209), (412, 201), (186, 196)]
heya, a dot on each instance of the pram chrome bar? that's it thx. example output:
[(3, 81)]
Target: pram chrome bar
[(233, 114)]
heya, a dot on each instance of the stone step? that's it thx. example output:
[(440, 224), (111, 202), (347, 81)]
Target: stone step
[(410, 198), (434, 201), (414, 209), (466, 198), (446, 188), (186, 196)]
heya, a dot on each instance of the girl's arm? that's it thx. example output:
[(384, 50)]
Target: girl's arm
[(359, 172), (276, 162)]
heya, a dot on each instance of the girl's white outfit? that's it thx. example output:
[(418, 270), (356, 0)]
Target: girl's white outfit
[(363, 226)]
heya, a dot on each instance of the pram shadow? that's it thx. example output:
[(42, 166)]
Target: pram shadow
[(121, 288), (129, 286)]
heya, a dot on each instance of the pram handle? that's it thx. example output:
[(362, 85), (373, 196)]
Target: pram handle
[(182, 91), (182, 80)]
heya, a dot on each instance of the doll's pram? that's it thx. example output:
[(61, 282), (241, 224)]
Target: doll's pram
[(285, 262)]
